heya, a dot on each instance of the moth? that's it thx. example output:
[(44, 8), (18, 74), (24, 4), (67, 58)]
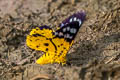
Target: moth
[(57, 43)]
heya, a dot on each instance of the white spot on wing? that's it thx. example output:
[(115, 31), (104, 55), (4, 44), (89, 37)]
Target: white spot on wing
[(70, 37), (79, 22), (67, 36), (75, 18), (73, 30), (56, 33), (71, 20), (64, 29), (68, 28), (62, 24), (60, 34)]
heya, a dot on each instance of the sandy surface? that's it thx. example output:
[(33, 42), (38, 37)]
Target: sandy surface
[(95, 54)]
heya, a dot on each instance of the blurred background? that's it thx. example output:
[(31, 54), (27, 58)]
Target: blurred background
[(95, 54)]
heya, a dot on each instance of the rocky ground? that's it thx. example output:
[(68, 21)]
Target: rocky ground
[(95, 55)]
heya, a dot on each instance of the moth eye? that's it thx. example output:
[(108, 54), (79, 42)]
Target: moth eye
[(75, 19)]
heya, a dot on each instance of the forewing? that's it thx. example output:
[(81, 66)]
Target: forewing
[(40, 39)]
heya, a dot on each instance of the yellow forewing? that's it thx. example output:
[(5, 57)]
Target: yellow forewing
[(55, 48)]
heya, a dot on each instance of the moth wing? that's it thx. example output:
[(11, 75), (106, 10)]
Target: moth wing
[(45, 31), (67, 32), (59, 41), (75, 17), (40, 39), (62, 43)]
